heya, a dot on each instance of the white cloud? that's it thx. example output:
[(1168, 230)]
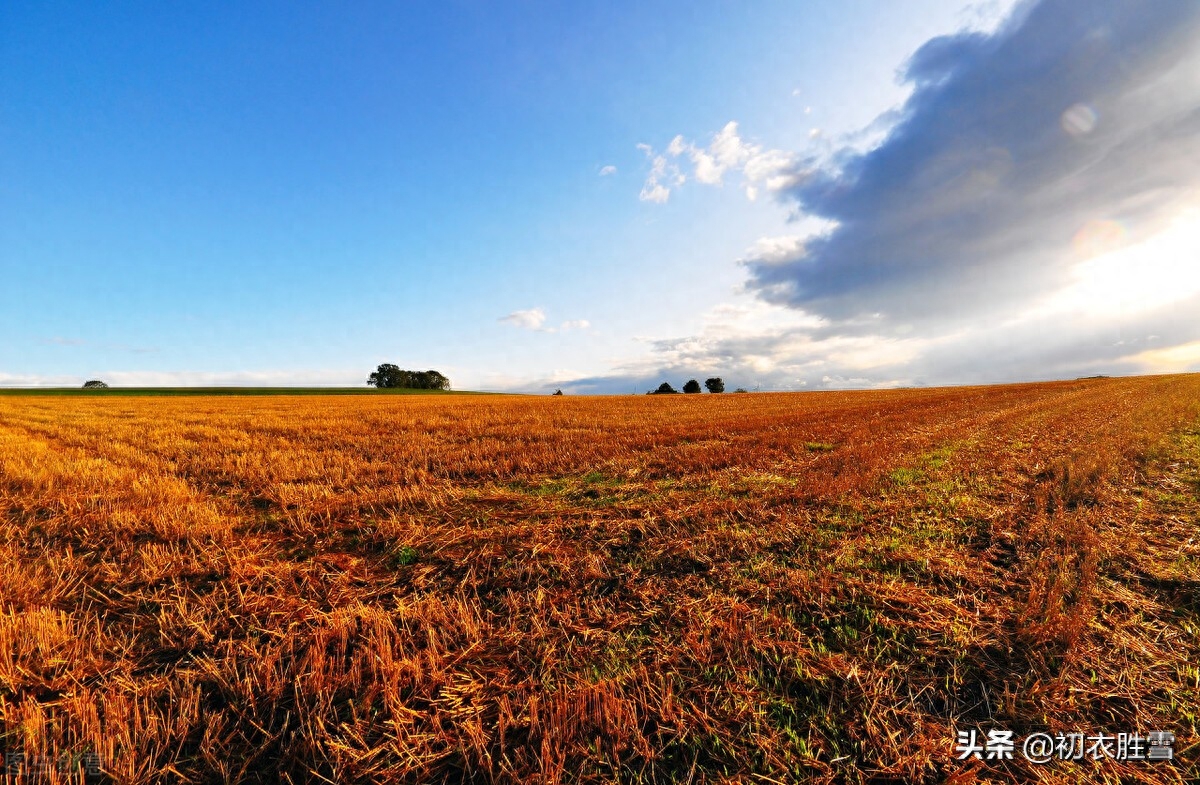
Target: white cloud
[(605, 171), (654, 192), (769, 250), (661, 171), (535, 319), (727, 152), (530, 318)]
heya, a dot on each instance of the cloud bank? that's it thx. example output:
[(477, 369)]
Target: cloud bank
[(1032, 211), (1008, 147)]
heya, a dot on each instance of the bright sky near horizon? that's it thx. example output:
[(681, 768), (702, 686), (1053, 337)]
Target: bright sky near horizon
[(599, 196)]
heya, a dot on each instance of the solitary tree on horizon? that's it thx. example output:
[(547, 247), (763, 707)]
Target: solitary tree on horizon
[(715, 385), (692, 386), (94, 384)]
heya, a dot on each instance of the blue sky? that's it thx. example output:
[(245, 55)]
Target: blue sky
[(597, 196)]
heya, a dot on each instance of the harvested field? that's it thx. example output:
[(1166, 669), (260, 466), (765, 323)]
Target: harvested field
[(816, 587)]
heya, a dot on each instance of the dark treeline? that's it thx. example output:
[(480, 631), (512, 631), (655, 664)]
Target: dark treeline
[(714, 385), (388, 376)]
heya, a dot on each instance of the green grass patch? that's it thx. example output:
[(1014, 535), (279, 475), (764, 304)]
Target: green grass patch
[(592, 489), (904, 476), (404, 556)]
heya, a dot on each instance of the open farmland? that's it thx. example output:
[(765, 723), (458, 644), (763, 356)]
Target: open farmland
[(761, 588)]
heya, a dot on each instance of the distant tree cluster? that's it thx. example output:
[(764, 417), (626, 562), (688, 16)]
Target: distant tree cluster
[(714, 385), (94, 384), (388, 376)]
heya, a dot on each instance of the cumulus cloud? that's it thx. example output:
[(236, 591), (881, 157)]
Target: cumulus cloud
[(727, 152), (773, 250), (1009, 145), (664, 175)]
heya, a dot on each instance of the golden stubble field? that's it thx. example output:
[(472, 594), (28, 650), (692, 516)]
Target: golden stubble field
[(744, 587)]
